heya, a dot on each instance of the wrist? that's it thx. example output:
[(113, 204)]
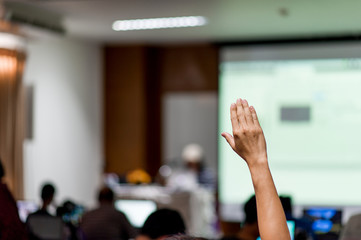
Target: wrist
[(260, 172), (259, 167), (258, 162)]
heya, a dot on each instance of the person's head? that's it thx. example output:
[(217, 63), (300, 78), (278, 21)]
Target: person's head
[(250, 210), (2, 171), (105, 195), (163, 222), (183, 237), (192, 156), (47, 193)]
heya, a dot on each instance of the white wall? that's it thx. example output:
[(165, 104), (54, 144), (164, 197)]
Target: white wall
[(190, 118), (66, 148)]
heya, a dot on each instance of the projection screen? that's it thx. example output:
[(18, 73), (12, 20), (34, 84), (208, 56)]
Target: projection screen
[(309, 105)]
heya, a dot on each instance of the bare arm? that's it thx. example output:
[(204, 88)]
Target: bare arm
[(248, 142)]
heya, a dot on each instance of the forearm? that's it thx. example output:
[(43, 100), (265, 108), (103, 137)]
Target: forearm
[(271, 217)]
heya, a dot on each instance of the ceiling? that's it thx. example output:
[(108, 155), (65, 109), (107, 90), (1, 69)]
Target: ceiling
[(229, 20)]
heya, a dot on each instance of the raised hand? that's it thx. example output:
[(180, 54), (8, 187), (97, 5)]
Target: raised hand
[(248, 140)]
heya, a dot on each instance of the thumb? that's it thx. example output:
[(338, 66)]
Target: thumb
[(229, 139)]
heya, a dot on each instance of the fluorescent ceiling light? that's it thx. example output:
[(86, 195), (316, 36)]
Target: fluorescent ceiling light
[(157, 23)]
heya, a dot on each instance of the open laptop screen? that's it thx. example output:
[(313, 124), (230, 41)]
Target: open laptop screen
[(136, 211), (26, 207), (326, 222)]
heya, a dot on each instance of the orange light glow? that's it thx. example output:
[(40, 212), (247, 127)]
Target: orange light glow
[(7, 66)]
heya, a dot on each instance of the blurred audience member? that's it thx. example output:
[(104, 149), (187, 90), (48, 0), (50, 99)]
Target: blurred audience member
[(286, 202), (183, 237), (249, 230), (105, 222), (71, 214), (11, 226), (194, 172), (47, 196), (161, 224), (352, 229)]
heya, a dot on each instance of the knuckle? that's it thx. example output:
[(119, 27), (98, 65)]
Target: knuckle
[(243, 131), (236, 133), (255, 131), (258, 130), (251, 131)]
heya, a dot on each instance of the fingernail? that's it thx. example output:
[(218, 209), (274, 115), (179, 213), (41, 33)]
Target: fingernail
[(239, 100), (244, 101)]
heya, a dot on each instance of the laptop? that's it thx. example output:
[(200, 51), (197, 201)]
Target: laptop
[(25, 207), (326, 223)]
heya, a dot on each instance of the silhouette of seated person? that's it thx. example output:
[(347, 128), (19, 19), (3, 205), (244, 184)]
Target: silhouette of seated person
[(183, 237), (105, 222), (162, 224), (303, 225), (47, 196), (286, 202), (39, 222), (194, 172), (11, 226), (249, 230), (71, 213)]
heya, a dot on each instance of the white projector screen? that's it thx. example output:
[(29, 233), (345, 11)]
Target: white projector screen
[(308, 99)]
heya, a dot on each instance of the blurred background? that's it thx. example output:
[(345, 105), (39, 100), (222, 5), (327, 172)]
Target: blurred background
[(95, 101)]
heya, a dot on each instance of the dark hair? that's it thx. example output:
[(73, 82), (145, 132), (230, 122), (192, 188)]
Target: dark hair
[(47, 191), (250, 210), (106, 194), (163, 222), (183, 237), (2, 171), (67, 208), (286, 202)]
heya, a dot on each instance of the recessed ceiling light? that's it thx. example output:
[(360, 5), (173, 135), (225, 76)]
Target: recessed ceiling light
[(157, 23)]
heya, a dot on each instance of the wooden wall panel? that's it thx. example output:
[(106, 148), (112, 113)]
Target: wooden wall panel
[(124, 109), (190, 68), (153, 110), (135, 79)]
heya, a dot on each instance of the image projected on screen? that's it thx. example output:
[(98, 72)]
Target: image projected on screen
[(310, 111)]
